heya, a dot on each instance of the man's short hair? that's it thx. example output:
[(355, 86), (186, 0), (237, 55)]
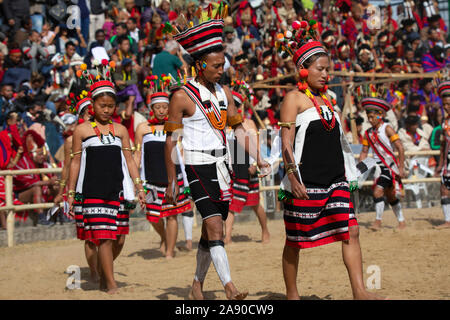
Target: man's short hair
[(171, 45), (132, 19), (69, 43), (123, 25), (99, 31), (412, 120), (122, 38)]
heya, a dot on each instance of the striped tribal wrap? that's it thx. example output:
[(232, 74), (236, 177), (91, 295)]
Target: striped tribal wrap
[(324, 218), (245, 193)]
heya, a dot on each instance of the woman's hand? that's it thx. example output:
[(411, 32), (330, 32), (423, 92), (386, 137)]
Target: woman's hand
[(70, 201), (141, 197), (298, 189), (172, 192), (265, 168)]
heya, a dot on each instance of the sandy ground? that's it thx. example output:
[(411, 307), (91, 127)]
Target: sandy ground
[(413, 263)]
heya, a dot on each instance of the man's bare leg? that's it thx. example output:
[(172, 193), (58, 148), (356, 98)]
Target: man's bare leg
[(229, 228), (214, 228), (203, 263)]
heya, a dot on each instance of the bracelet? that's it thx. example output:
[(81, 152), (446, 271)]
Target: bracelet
[(290, 171), (290, 166), (255, 164), (137, 181), (141, 190), (75, 153), (138, 147), (62, 183), (71, 193)]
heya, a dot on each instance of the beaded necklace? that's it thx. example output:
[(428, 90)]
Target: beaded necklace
[(104, 139), (329, 123)]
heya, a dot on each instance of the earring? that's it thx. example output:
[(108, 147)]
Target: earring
[(204, 65)]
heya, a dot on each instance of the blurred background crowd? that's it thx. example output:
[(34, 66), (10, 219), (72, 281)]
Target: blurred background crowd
[(44, 43)]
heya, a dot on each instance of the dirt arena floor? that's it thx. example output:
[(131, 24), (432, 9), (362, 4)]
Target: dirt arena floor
[(413, 264)]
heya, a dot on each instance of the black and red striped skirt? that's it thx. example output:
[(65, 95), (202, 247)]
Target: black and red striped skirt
[(245, 193), (156, 204), (98, 219), (324, 218)]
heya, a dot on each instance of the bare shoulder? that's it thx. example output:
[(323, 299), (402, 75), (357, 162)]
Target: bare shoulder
[(81, 131), (142, 128), (180, 101), (120, 129), (293, 100), (179, 96)]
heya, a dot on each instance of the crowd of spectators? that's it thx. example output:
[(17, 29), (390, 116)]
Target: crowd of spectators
[(42, 46)]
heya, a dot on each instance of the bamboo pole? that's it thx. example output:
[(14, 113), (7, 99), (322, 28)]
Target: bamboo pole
[(9, 203), (29, 171), (359, 74), (370, 183), (258, 119)]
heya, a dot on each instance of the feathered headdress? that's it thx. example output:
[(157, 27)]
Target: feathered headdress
[(301, 44), (101, 81), (207, 35), (77, 103)]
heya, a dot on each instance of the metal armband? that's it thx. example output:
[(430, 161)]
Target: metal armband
[(170, 126), (234, 120)]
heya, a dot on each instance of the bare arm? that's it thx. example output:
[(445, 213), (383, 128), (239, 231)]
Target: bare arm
[(132, 168), (364, 153), (399, 147), (138, 142), (74, 164), (65, 169), (241, 133), (288, 114), (176, 110)]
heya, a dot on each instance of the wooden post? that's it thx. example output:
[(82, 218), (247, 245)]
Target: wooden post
[(9, 202)]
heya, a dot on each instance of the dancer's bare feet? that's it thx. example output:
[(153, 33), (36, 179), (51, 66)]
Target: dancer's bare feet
[(445, 225), (376, 225), (366, 295), (196, 292), (265, 237), (111, 291), (162, 247), (402, 225), (233, 293)]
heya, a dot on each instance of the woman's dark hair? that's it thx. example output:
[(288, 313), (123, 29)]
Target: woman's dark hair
[(313, 58)]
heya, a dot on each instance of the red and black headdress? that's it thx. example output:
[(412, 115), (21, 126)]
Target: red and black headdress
[(376, 104), (444, 88)]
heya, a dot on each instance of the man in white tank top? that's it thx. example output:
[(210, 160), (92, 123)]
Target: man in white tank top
[(382, 138), (203, 109)]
